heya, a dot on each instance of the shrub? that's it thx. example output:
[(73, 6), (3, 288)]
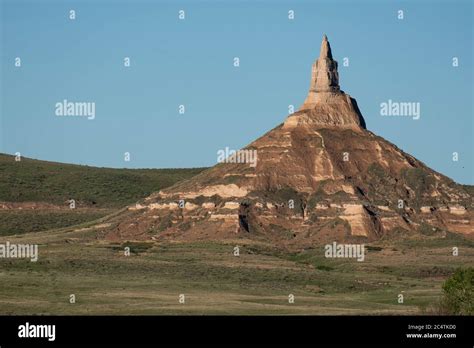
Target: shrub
[(458, 294)]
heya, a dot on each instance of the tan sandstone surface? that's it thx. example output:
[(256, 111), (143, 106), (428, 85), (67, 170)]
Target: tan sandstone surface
[(320, 176)]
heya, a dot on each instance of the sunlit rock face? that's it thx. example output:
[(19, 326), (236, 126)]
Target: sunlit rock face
[(319, 176), (324, 75), (326, 105)]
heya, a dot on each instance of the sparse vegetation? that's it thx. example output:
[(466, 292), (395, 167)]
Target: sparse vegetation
[(217, 282), (137, 247), (21, 221), (96, 191), (166, 222), (40, 181), (421, 182)]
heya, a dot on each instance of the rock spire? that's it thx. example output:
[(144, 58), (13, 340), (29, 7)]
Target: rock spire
[(326, 106), (324, 77)]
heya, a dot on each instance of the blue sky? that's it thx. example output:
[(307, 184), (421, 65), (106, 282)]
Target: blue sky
[(190, 62)]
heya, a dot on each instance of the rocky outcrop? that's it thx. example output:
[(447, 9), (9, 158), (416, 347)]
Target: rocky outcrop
[(326, 105), (320, 176)]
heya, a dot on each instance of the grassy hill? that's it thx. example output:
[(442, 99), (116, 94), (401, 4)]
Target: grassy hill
[(97, 191), (39, 181)]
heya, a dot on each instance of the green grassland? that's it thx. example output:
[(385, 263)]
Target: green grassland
[(21, 221), (73, 260), (214, 281), (39, 181), (96, 191)]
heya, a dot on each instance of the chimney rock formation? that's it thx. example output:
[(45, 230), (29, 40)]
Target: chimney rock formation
[(325, 78), (320, 177), (326, 104)]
